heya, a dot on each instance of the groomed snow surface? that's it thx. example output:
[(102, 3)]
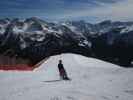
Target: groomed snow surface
[(91, 80)]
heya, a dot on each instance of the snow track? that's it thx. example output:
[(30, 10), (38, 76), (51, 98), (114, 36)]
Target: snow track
[(91, 80)]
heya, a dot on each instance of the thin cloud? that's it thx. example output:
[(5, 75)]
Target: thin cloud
[(116, 11)]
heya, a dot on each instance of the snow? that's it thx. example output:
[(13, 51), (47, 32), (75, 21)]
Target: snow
[(2, 30), (92, 79), (72, 28), (85, 43), (23, 44), (17, 30), (127, 29)]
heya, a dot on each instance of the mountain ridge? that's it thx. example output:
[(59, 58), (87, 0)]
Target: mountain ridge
[(36, 39)]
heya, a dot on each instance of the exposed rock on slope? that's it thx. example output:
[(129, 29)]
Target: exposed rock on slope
[(35, 39)]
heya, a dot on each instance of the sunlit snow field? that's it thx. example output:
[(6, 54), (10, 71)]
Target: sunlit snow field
[(91, 80)]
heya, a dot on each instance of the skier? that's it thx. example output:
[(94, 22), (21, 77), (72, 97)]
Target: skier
[(62, 72)]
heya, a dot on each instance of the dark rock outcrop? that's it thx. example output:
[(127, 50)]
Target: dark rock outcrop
[(35, 39)]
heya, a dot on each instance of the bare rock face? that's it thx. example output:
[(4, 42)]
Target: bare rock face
[(33, 40)]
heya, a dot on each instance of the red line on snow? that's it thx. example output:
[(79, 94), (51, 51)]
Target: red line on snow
[(17, 67)]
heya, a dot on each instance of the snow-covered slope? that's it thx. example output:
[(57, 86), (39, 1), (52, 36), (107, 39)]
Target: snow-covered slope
[(91, 80)]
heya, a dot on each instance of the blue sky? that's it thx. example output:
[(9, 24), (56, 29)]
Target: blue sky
[(91, 10)]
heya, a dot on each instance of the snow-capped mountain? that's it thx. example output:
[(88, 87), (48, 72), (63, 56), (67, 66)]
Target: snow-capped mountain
[(36, 39)]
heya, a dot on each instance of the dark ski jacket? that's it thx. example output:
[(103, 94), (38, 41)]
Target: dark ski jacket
[(60, 67)]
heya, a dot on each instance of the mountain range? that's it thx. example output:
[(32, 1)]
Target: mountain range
[(35, 39)]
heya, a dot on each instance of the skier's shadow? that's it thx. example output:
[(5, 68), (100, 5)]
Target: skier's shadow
[(52, 81)]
